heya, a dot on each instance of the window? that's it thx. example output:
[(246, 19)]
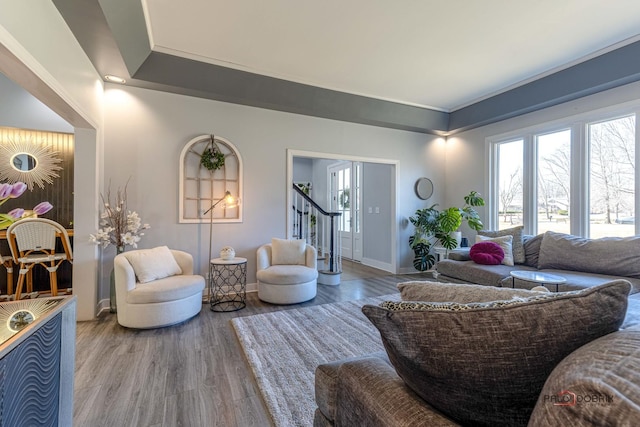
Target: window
[(611, 177), (510, 178), (553, 183), (579, 178)]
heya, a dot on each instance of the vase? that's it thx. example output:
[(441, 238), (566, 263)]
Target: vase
[(113, 306), (458, 236), (227, 253)]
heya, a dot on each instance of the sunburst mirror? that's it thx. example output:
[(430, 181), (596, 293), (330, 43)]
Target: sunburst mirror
[(17, 315), (29, 162)]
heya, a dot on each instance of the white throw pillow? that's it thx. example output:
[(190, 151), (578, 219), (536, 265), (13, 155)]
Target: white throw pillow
[(153, 264), (505, 242), (288, 252)]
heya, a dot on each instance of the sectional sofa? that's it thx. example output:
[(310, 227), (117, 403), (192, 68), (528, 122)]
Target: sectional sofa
[(582, 262), (569, 358), (459, 353)]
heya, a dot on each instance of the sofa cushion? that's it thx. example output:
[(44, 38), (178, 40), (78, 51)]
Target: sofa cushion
[(287, 274), (326, 383), (596, 385), (487, 253), (619, 256), (153, 264), (288, 252), (577, 280), (504, 242), (461, 293), (167, 289), (517, 242), (469, 271), (460, 254), (485, 363), (371, 394)]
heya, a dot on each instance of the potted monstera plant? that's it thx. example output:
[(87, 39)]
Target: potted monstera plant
[(433, 226)]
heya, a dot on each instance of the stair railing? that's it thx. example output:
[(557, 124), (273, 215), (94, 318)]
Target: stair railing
[(317, 227)]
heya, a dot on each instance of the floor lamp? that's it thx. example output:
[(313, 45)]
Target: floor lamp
[(230, 202)]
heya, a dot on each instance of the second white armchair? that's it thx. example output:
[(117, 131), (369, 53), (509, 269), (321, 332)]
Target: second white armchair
[(287, 271)]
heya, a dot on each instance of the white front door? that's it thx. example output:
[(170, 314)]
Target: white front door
[(345, 194)]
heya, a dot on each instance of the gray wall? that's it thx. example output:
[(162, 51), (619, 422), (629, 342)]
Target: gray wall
[(302, 169), (146, 130), (377, 192), (19, 109)]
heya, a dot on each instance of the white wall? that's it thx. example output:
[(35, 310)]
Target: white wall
[(40, 43), (145, 131), (466, 154)]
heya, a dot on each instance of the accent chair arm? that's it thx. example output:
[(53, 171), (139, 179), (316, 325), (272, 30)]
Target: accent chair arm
[(311, 257), (124, 275), (263, 257), (184, 260)]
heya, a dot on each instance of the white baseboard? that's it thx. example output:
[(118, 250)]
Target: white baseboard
[(411, 270), (377, 264), (104, 305)]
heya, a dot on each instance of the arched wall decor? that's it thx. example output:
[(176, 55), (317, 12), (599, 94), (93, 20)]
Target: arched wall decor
[(200, 188)]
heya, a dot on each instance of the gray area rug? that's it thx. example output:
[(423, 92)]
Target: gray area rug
[(285, 347)]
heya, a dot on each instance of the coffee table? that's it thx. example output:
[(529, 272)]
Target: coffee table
[(537, 277)]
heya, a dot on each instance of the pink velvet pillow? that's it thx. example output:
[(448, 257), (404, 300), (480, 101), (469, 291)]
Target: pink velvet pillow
[(488, 253)]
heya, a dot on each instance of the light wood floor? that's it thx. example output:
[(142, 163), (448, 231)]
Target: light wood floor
[(192, 374)]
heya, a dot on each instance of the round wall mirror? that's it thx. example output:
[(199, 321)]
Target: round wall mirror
[(424, 188), (29, 162), (24, 162)]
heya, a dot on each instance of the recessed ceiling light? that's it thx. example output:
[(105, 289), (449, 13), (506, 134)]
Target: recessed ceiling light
[(114, 79)]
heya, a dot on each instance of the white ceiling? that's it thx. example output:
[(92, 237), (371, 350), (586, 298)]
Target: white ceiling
[(442, 54)]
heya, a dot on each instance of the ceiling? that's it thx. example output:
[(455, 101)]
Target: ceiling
[(423, 65)]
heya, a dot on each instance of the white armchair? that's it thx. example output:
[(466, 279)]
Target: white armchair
[(287, 271), (156, 288)]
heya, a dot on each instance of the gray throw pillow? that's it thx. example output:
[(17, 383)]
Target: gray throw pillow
[(517, 245), (486, 363), (455, 292), (616, 256), (532, 249)]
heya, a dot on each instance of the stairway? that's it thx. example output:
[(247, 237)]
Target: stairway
[(319, 229)]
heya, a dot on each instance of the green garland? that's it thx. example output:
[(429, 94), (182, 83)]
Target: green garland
[(212, 159)]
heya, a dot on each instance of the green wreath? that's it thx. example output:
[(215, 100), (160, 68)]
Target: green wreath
[(211, 158)]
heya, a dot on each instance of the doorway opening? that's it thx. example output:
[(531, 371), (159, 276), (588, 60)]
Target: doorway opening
[(363, 190)]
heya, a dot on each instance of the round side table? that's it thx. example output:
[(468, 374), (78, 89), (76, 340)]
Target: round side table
[(537, 277), (227, 284)]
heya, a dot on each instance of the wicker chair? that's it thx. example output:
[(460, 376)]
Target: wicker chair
[(33, 242)]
